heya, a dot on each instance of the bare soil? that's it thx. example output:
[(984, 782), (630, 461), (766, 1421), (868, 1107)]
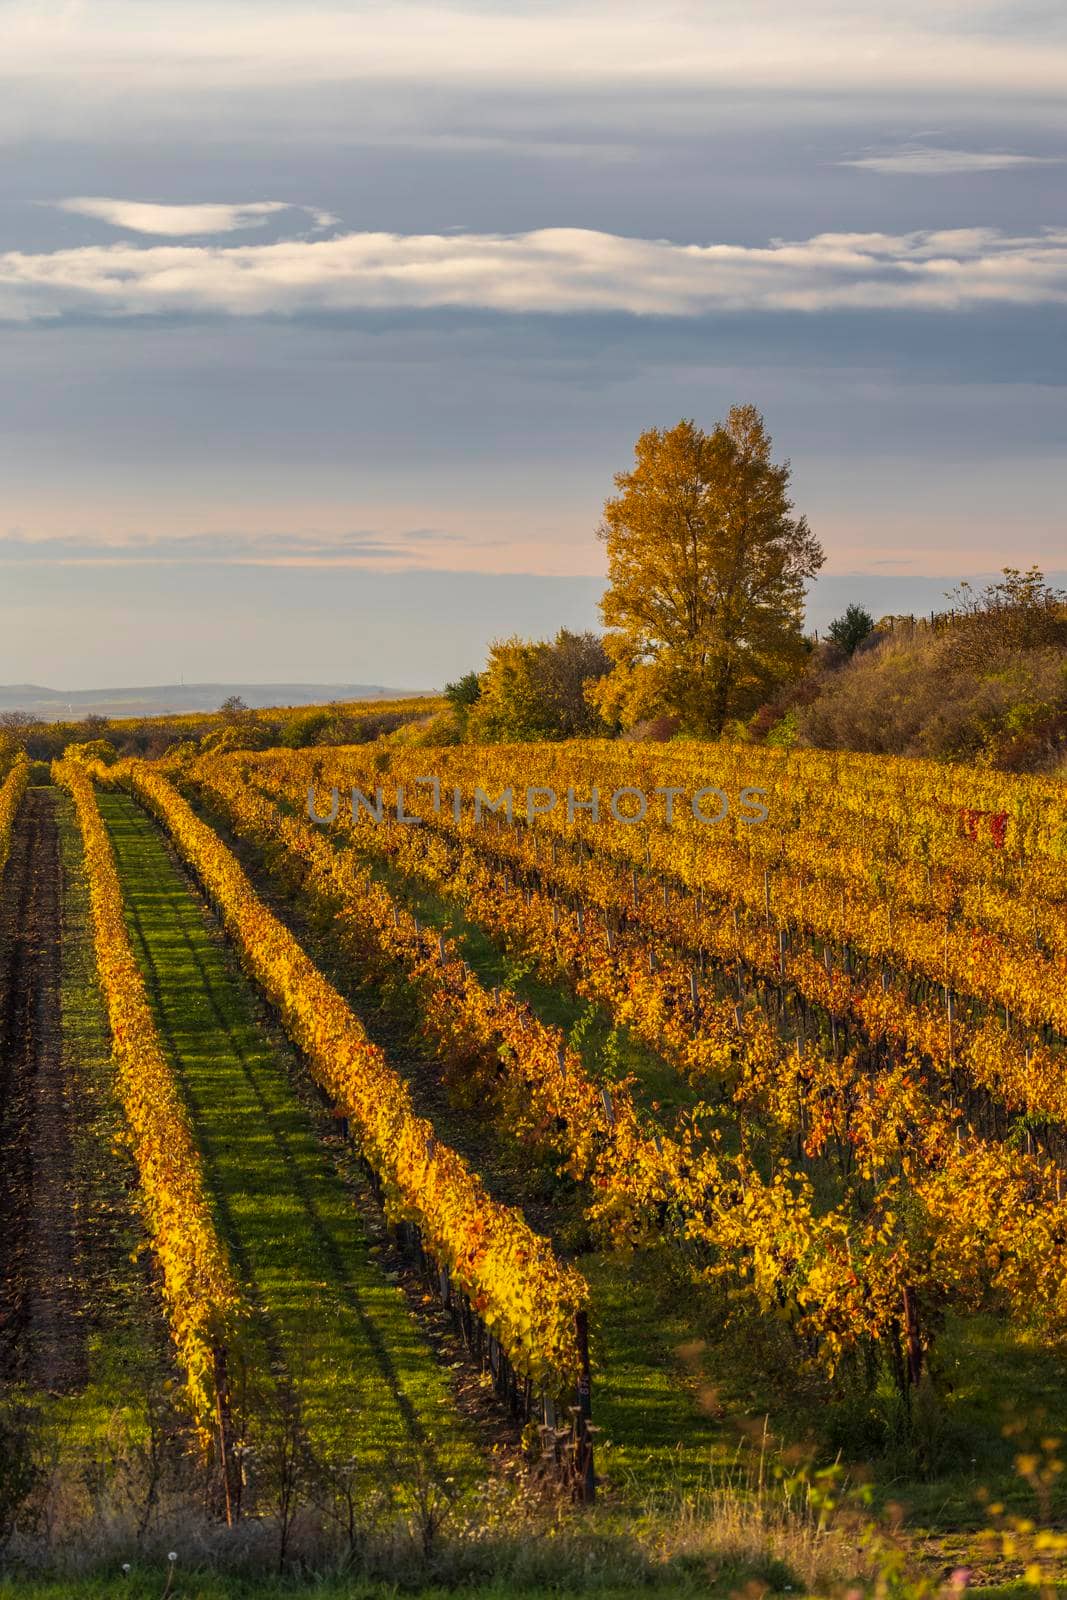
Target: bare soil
[(42, 1341)]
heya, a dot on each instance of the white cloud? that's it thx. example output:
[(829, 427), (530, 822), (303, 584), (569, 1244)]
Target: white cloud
[(136, 46), (554, 270), (928, 161), (176, 221)]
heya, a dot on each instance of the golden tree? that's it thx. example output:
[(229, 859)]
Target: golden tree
[(536, 689), (706, 566)]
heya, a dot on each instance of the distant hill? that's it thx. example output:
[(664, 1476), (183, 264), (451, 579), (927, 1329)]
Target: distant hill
[(55, 705)]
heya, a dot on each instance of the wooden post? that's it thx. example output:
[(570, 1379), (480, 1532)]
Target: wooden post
[(231, 1472), (583, 1442)]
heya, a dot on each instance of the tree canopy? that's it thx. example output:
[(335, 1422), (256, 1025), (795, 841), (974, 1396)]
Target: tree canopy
[(538, 689), (851, 628), (706, 568)]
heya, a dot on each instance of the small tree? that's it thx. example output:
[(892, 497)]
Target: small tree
[(849, 630), (539, 689), (462, 694), (566, 670), (237, 727)]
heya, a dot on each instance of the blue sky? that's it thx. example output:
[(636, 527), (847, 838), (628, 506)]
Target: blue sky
[(324, 329)]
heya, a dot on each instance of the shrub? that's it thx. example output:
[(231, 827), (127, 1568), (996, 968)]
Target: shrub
[(303, 730), (913, 696), (654, 730), (246, 734), (101, 750), (784, 733)]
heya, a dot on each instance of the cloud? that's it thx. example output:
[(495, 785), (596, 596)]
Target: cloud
[(408, 548), (176, 221), (927, 161), (551, 270), (135, 46)]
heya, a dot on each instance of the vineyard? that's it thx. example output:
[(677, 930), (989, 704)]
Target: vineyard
[(385, 1128)]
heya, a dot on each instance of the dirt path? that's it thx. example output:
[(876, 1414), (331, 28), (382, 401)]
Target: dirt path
[(41, 1335)]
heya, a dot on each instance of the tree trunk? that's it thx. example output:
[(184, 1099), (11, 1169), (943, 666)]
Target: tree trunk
[(912, 1339)]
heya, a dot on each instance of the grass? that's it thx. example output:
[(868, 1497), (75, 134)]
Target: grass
[(151, 1585), (659, 1434), (328, 1322)]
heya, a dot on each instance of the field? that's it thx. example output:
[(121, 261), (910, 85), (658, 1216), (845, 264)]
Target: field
[(417, 1170)]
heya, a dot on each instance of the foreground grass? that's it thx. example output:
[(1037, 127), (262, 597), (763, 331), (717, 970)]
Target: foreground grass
[(152, 1586), (330, 1326)]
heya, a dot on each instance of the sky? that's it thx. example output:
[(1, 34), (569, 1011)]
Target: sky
[(324, 329)]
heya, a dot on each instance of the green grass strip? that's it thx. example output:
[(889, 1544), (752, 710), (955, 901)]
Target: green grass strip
[(368, 1383)]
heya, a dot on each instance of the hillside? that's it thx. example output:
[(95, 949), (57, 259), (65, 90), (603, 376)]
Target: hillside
[(157, 700)]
